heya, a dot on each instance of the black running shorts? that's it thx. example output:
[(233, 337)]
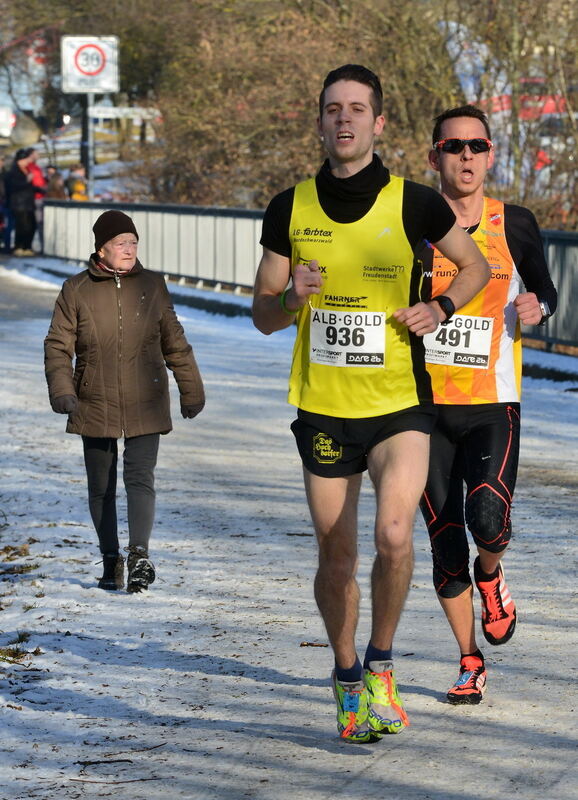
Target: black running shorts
[(335, 447)]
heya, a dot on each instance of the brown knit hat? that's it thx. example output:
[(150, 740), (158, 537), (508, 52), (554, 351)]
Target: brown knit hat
[(111, 224)]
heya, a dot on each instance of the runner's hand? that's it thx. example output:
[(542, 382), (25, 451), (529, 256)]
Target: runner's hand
[(307, 280), (421, 318), (528, 308)]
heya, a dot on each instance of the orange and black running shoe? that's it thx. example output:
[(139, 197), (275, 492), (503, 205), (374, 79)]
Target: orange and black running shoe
[(498, 608), (471, 684)]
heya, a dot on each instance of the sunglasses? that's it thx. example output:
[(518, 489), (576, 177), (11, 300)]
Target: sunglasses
[(456, 146)]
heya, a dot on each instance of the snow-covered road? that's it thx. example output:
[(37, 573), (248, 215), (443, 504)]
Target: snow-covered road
[(214, 684)]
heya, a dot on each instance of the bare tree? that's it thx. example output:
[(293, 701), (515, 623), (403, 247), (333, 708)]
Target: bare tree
[(237, 84), (510, 63)]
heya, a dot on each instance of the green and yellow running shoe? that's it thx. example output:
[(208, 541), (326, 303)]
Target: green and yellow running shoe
[(351, 699), (385, 712)]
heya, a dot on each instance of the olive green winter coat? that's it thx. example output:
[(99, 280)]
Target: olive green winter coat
[(109, 340)]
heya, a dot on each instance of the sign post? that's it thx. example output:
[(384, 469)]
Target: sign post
[(89, 66)]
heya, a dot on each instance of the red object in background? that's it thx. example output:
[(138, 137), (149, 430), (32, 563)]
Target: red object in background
[(38, 178), (532, 106), (542, 160)]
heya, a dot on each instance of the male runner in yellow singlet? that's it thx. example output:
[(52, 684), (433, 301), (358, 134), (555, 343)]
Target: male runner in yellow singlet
[(338, 254), (475, 363)]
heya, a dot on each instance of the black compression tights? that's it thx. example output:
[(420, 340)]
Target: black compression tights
[(478, 446)]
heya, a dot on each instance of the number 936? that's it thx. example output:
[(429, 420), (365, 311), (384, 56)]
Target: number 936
[(344, 336)]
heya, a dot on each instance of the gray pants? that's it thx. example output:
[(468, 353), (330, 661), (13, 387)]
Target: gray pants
[(139, 462)]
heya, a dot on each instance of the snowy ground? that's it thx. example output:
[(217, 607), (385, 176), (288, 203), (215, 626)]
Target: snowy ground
[(208, 686)]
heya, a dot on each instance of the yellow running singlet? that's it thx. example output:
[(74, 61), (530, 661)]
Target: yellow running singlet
[(351, 358)]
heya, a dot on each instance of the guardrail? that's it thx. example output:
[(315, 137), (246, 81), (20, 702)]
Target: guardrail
[(220, 246), (214, 245), (561, 248)]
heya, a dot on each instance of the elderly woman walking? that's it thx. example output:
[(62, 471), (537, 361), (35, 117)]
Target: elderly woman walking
[(113, 333)]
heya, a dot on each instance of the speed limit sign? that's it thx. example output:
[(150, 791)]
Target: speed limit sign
[(89, 64)]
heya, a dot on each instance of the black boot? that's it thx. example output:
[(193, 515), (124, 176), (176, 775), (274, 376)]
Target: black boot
[(141, 570), (113, 573)]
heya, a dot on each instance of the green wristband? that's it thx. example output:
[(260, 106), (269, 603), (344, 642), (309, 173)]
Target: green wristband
[(283, 306)]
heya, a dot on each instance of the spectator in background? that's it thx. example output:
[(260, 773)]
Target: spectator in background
[(20, 197), (111, 381), (5, 215), (55, 187), (76, 183), (39, 182)]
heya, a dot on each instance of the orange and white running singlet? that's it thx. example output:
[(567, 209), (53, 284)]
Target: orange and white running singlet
[(477, 357)]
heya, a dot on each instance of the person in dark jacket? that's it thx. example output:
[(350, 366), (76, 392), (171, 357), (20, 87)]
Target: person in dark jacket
[(113, 333), (6, 224), (20, 193)]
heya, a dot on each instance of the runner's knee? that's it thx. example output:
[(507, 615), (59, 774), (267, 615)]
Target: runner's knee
[(488, 518), (394, 546)]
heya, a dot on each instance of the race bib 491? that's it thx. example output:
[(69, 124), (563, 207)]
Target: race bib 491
[(465, 341)]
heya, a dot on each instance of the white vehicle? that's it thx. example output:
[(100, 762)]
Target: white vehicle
[(7, 121)]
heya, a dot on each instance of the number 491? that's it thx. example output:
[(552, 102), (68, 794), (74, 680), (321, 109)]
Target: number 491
[(453, 337)]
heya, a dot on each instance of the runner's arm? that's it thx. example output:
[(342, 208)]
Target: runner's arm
[(272, 277), (527, 249), (473, 274), (274, 307), (473, 269)]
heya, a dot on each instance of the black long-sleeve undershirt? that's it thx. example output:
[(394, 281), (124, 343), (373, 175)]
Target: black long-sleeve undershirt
[(425, 213)]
